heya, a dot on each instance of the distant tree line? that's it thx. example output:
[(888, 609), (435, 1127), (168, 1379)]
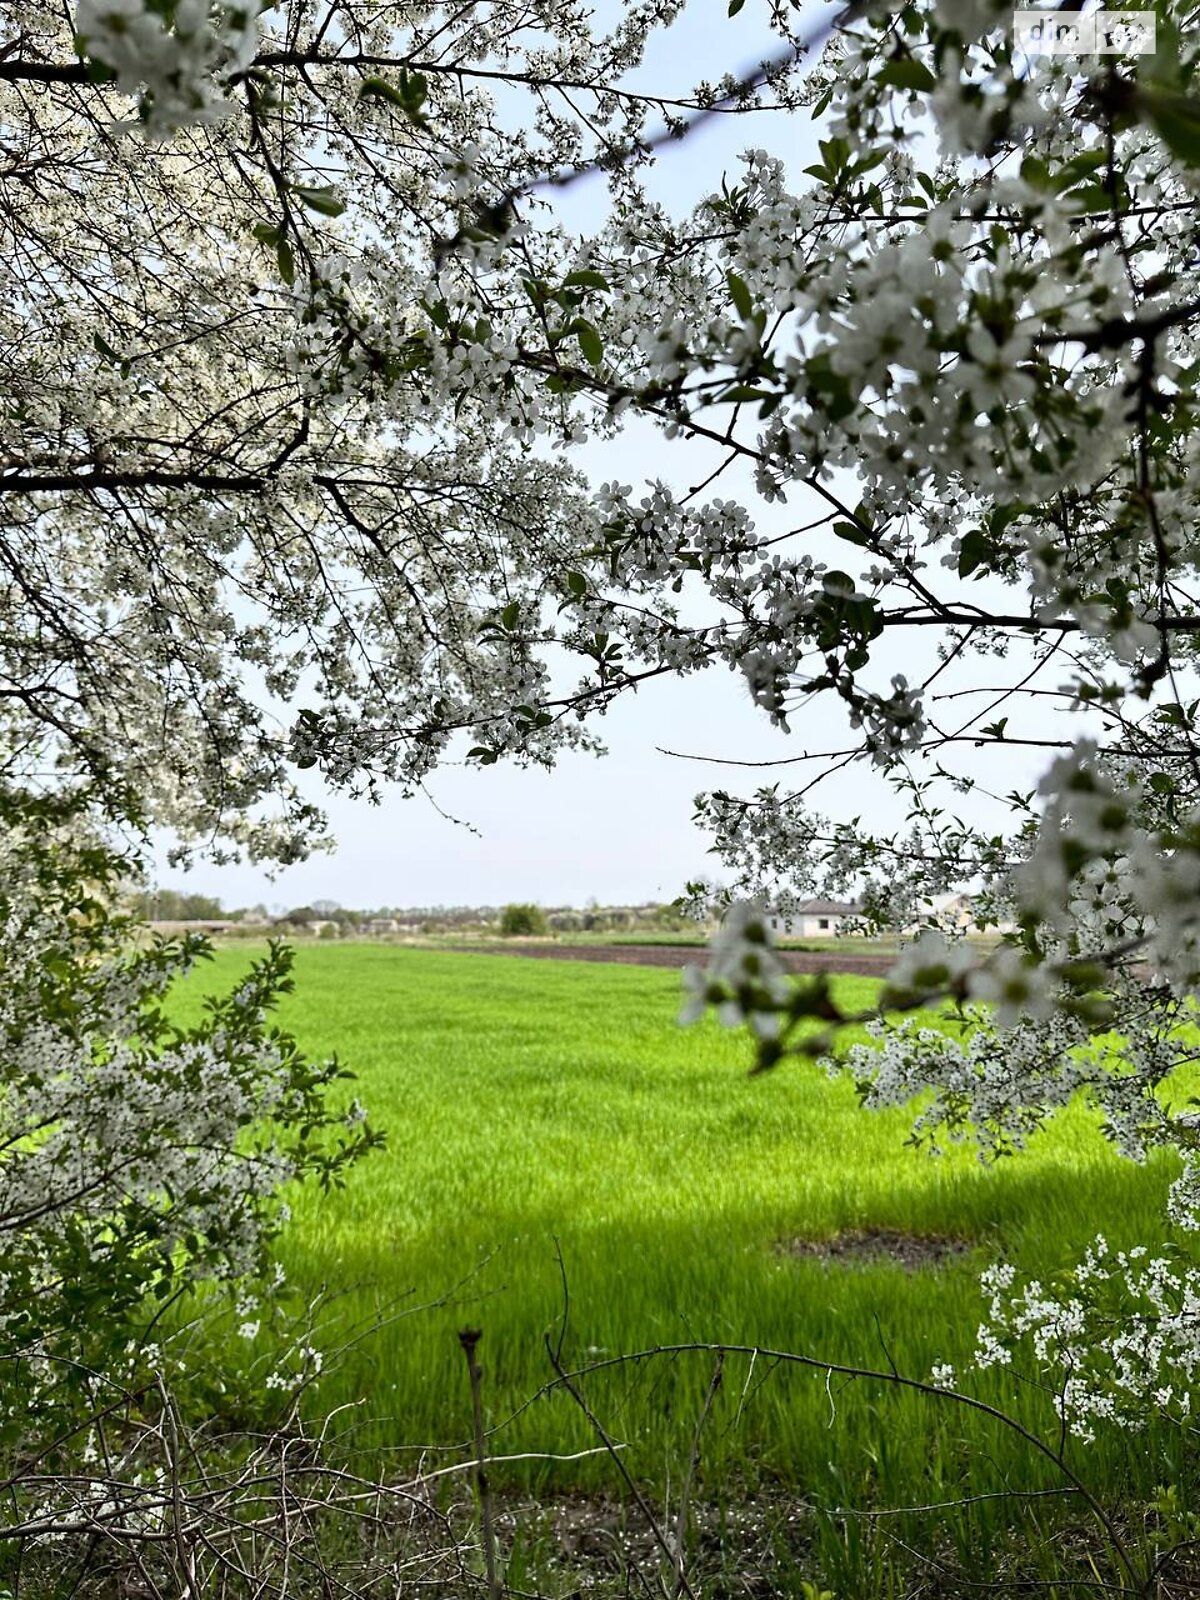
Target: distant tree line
[(172, 905), (333, 920)]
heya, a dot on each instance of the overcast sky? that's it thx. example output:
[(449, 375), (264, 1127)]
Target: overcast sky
[(618, 827)]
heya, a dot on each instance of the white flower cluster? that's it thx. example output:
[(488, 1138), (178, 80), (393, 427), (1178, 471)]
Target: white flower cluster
[(987, 1086), (744, 977), (174, 60), (1103, 880), (134, 1157), (893, 724), (1115, 1339)]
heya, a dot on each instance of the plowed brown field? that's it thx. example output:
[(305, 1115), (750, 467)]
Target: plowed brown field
[(872, 965)]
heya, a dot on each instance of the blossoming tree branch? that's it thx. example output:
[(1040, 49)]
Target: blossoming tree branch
[(298, 354)]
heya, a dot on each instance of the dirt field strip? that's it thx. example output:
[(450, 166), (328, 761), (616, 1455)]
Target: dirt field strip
[(674, 955)]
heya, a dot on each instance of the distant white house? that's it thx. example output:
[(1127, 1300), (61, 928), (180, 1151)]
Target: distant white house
[(811, 919), (381, 925), (819, 919), (957, 911)]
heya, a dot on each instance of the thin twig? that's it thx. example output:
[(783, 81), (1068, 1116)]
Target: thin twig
[(469, 1339), (566, 1381), (693, 1461)]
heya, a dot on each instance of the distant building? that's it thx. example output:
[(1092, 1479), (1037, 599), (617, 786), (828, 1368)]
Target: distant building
[(811, 919), (957, 911), (191, 925), (381, 925)]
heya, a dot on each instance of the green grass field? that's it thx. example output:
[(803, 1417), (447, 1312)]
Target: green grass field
[(538, 1107)]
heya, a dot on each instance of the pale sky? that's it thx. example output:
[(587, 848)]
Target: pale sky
[(617, 828)]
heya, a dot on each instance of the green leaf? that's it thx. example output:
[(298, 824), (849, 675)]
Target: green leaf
[(735, 6), (577, 584), (102, 347), (1004, 515), (740, 294), (286, 261), (563, 383), (1083, 163), (873, 158), (829, 390), (903, 72), (483, 755), (510, 614), (836, 152), (324, 199), (1090, 200), (852, 533), (976, 550), (408, 97), (380, 89), (266, 233), (743, 391), (1176, 120), (96, 71), (585, 278), (590, 342)]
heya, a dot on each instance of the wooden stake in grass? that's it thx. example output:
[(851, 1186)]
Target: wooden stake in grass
[(469, 1339)]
